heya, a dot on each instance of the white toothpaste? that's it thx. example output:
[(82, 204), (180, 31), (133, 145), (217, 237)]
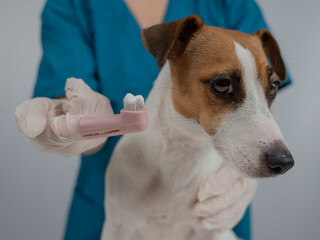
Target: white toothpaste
[(133, 103)]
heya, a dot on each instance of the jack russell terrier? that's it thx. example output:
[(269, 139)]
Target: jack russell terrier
[(210, 104)]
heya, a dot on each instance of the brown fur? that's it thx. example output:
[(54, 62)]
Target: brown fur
[(197, 53)]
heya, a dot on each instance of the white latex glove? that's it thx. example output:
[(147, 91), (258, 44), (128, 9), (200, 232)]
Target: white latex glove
[(51, 124), (223, 199)]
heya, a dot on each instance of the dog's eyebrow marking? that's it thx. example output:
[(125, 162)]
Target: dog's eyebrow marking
[(233, 74), (255, 97)]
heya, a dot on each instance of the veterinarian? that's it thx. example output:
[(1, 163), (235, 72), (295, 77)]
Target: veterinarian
[(99, 41)]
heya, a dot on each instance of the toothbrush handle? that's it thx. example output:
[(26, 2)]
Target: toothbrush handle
[(106, 126), (94, 124)]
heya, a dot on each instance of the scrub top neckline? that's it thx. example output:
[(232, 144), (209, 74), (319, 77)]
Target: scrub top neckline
[(135, 21)]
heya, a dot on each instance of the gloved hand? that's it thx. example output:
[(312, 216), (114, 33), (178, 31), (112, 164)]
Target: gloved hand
[(51, 124), (223, 198)]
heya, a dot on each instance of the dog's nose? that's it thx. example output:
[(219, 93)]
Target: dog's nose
[(279, 162)]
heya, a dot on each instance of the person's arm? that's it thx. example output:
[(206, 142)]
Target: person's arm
[(246, 16), (51, 124)]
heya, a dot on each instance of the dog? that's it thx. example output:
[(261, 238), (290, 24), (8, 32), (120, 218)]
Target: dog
[(209, 104)]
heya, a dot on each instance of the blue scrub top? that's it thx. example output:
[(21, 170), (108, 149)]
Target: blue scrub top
[(99, 41)]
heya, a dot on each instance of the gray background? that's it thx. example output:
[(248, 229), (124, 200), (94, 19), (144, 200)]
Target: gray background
[(36, 189)]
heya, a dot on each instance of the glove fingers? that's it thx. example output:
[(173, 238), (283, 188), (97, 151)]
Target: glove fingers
[(31, 116), (104, 106), (229, 217), (65, 126), (60, 137), (218, 183), (76, 87), (225, 221), (70, 142), (81, 98), (213, 205)]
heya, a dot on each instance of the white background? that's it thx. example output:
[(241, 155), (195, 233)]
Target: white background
[(36, 189)]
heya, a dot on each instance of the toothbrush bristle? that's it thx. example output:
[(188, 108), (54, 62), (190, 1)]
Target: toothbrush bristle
[(133, 103)]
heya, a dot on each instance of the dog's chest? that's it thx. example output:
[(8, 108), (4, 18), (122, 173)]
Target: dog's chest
[(183, 170)]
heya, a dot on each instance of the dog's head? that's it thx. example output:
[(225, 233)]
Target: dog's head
[(227, 81)]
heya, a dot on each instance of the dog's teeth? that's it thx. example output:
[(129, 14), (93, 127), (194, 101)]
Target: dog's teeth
[(133, 103)]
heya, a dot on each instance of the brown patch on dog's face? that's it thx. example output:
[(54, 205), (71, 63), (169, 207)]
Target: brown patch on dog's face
[(200, 56), (210, 55)]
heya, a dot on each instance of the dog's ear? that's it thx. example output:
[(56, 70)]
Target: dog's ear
[(272, 51), (169, 40)]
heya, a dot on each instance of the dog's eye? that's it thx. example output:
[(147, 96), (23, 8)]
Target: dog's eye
[(222, 85), (273, 89)]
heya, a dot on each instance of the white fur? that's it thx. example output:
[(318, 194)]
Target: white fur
[(152, 182)]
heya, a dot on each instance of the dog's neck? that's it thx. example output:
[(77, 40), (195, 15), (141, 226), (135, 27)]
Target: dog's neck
[(164, 118)]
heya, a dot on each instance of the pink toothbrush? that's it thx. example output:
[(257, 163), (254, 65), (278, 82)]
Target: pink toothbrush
[(133, 118)]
